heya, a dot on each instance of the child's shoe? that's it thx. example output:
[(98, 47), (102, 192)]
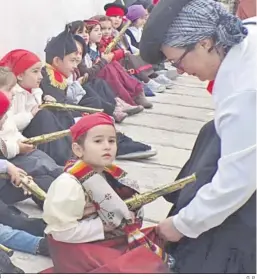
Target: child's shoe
[(162, 79), (155, 86)]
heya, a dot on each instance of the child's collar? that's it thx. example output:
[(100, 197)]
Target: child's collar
[(57, 79), (93, 46), (82, 170)]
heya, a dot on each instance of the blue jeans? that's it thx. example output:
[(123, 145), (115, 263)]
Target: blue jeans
[(18, 240)]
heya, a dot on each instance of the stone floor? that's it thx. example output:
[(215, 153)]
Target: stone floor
[(171, 127)]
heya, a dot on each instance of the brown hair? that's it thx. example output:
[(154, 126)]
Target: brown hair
[(7, 78), (102, 18), (80, 141)]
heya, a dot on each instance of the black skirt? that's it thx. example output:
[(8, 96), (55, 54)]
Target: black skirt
[(228, 248)]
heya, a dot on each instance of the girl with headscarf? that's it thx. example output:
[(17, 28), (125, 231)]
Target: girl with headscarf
[(27, 98), (212, 228)]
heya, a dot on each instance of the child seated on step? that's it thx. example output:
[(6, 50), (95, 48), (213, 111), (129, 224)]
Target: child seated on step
[(86, 214), (34, 162), (81, 92), (30, 119)]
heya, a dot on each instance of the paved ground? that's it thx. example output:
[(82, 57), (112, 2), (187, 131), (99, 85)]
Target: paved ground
[(171, 127)]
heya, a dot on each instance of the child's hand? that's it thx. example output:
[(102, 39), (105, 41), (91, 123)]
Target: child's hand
[(14, 173), (35, 110), (89, 210), (108, 228), (25, 148), (49, 99), (83, 79), (108, 57), (133, 216)]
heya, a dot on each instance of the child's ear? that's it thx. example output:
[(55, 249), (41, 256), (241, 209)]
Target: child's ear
[(77, 150), (20, 77), (56, 61)]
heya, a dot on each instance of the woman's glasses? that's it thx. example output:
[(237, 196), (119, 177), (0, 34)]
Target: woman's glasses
[(178, 62)]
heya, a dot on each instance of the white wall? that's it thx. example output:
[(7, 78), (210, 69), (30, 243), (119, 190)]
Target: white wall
[(28, 24)]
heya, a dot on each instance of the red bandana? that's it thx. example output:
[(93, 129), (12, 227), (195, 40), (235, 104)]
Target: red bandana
[(88, 122), (19, 61), (4, 104), (115, 11), (91, 22)]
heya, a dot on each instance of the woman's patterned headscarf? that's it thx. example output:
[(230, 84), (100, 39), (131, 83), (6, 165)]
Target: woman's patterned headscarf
[(201, 19)]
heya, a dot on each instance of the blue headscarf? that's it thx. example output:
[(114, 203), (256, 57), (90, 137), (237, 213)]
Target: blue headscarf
[(201, 19)]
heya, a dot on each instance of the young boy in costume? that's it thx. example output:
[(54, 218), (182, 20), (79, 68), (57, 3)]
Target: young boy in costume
[(61, 58), (86, 214)]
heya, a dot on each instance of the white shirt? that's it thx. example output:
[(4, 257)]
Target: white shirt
[(234, 183), (9, 137), (22, 104), (63, 207), (137, 33)]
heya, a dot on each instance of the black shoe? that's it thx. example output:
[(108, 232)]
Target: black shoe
[(6, 265), (43, 248), (132, 150)]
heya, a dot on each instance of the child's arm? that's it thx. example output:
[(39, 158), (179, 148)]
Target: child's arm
[(64, 212), (75, 92), (118, 54), (3, 166), (94, 70)]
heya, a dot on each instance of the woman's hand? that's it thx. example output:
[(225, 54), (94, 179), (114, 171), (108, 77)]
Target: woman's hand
[(49, 99), (15, 173), (167, 231)]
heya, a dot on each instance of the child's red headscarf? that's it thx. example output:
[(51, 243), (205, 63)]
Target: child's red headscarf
[(19, 60), (4, 104), (88, 122)]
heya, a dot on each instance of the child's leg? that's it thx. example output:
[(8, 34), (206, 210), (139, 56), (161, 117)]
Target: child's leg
[(93, 99), (19, 240), (30, 225)]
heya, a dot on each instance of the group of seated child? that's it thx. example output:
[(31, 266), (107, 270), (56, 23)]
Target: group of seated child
[(78, 70)]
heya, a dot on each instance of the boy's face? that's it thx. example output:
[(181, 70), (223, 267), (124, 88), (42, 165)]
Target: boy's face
[(116, 21), (32, 77), (84, 34), (100, 147), (95, 35), (67, 65), (106, 28)]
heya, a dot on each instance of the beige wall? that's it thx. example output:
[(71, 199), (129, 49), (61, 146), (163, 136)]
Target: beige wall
[(28, 24)]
